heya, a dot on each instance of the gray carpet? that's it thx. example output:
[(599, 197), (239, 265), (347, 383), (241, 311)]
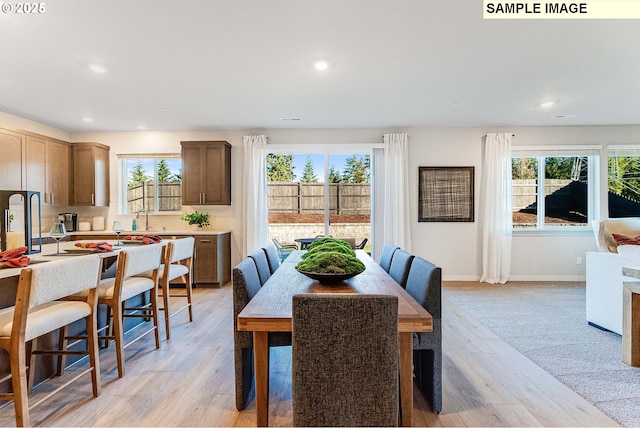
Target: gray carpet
[(546, 322)]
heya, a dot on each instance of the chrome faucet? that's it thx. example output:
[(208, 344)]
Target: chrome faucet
[(146, 218)]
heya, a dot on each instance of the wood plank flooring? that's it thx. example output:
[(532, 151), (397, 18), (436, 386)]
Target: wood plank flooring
[(190, 381)]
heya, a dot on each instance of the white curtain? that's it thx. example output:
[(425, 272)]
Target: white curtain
[(496, 209), (256, 221), (394, 225)]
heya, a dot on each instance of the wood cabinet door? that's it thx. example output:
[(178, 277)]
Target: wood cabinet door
[(192, 161), (35, 166), (57, 172), (84, 177), (217, 175), (11, 174), (205, 268), (101, 174)]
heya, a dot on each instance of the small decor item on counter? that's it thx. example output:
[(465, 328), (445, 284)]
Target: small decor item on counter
[(134, 224), (84, 226), (15, 257), (98, 223), (201, 219)]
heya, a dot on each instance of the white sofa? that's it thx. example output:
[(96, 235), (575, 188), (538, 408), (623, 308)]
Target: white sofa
[(604, 271)]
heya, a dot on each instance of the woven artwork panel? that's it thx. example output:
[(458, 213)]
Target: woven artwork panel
[(445, 194)]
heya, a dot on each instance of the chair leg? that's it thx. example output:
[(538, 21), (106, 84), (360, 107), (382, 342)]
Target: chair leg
[(118, 333), (31, 372), (62, 346), (153, 299), (243, 363), (19, 384), (165, 301), (188, 286), (92, 349)]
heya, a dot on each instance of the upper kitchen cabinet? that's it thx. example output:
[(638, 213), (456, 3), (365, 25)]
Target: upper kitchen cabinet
[(57, 175), (12, 143), (47, 169), (90, 163), (206, 173)]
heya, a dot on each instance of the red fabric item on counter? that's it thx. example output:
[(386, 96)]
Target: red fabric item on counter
[(145, 239), (104, 247), (14, 257)]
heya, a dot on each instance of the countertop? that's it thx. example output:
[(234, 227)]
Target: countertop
[(167, 232)]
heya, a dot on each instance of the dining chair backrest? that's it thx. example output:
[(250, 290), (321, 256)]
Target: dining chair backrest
[(182, 249), (262, 264), (284, 250), (141, 259), (362, 244), (400, 264), (272, 257), (345, 360), (351, 242), (53, 281), (387, 256), (424, 284)]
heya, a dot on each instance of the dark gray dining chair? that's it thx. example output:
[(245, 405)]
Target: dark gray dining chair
[(262, 264), (272, 257), (362, 244), (400, 265), (387, 256), (345, 360), (246, 284), (424, 284)]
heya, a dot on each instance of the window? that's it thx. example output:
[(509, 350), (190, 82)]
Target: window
[(312, 194), (623, 171), (151, 182), (555, 191)]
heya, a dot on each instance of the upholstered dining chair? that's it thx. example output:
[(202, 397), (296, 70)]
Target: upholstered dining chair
[(362, 244), (387, 256), (38, 311), (262, 264), (178, 257), (284, 249), (345, 360), (351, 242), (246, 284), (424, 284), (272, 257), (400, 264), (136, 273)]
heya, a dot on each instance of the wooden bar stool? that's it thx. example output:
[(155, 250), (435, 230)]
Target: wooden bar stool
[(178, 257), (38, 311)]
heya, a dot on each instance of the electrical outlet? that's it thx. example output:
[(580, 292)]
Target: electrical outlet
[(578, 260)]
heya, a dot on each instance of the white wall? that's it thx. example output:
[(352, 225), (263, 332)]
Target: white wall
[(454, 246)]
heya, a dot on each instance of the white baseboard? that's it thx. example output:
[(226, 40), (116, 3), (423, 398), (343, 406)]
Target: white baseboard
[(523, 278)]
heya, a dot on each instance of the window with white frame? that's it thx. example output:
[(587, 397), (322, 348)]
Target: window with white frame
[(553, 189), (150, 182), (623, 181)]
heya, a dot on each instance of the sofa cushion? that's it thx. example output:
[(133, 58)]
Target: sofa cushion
[(626, 240)]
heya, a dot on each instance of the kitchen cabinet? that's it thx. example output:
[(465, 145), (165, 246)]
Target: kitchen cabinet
[(57, 176), (206, 173), (212, 259), (90, 163), (11, 171), (35, 155)]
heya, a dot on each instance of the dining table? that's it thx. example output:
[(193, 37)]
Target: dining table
[(304, 242), (270, 310)]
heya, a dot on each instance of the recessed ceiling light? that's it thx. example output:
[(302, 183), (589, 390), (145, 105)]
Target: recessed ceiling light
[(321, 65), (164, 109), (141, 127), (547, 104), (98, 68), (87, 118)]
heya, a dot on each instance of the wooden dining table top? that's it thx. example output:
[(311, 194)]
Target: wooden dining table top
[(270, 308)]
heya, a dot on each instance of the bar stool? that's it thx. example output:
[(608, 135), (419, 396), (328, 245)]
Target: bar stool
[(178, 257), (38, 311)]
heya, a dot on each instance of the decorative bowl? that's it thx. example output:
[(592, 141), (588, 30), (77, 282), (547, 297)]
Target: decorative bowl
[(329, 278)]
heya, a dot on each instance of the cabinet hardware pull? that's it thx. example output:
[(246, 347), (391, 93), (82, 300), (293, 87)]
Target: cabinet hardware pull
[(204, 198), (92, 199), (205, 240)]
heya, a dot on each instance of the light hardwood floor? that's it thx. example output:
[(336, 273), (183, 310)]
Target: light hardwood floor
[(190, 381)]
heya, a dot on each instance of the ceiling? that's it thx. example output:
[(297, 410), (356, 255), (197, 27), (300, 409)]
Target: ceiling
[(248, 64)]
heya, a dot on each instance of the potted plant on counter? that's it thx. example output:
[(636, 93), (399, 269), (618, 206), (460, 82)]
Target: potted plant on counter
[(200, 219)]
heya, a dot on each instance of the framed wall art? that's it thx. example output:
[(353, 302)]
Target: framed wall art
[(445, 194)]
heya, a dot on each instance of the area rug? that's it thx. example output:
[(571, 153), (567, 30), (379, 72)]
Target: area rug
[(546, 322)]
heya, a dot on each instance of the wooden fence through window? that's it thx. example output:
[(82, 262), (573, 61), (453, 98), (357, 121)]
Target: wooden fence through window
[(308, 198), (142, 195)]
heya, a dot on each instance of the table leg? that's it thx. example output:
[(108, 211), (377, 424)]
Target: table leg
[(261, 363), (405, 342), (631, 324)]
